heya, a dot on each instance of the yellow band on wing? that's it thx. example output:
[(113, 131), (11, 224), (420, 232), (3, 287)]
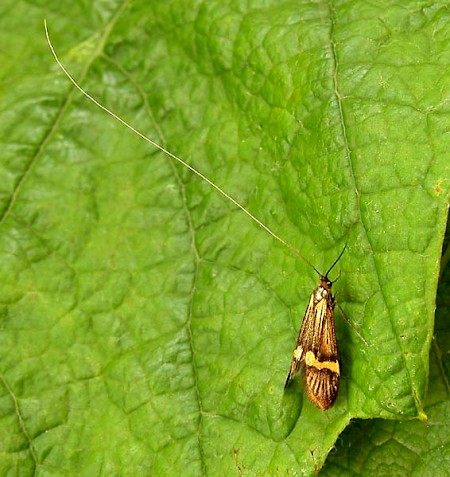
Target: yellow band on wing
[(298, 353), (310, 360)]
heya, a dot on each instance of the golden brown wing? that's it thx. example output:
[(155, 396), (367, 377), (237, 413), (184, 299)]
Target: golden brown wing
[(321, 364), (316, 350), (303, 340)]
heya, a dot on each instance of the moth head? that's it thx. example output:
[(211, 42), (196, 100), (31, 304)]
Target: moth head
[(325, 282)]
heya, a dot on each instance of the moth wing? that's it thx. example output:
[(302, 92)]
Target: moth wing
[(321, 365), (304, 337), (327, 345)]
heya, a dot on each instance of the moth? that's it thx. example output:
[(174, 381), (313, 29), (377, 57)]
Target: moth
[(316, 352)]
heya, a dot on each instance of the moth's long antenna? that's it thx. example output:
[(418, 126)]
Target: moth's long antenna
[(336, 261), (170, 154)]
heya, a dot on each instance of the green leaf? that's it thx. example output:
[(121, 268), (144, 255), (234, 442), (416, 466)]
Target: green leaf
[(398, 448), (147, 325)]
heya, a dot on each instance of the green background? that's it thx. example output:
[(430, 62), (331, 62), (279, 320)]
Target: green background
[(146, 325)]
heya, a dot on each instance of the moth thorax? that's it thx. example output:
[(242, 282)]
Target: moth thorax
[(320, 293)]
